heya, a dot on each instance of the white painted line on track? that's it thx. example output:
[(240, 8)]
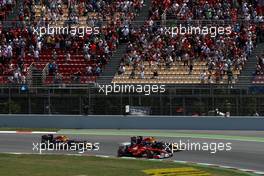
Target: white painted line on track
[(28, 132), (207, 164), (227, 167), (131, 158), (44, 132), (260, 173), (7, 132), (15, 153), (102, 156), (247, 170)]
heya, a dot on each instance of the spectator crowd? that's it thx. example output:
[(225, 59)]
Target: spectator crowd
[(260, 65), (21, 48), (224, 54)]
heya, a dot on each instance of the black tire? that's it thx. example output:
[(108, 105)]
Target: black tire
[(46, 138), (120, 152), (150, 154)]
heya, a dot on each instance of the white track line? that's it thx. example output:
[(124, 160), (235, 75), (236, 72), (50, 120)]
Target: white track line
[(102, 156), (28, 132), (44, 132), (7, 132)]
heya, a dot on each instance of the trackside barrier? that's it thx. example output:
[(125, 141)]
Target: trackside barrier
[(132, 122)]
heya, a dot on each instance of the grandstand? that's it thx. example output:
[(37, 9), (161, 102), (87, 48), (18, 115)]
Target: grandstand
[(143, 51), (259, 74), (65, 58), (188, 58), (131, 42)]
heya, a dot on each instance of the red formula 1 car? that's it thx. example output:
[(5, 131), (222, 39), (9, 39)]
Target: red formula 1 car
[(145, 148)]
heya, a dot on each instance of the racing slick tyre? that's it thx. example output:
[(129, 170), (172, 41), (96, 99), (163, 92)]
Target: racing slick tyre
[(120, 152), (46, 138), (150, 154)]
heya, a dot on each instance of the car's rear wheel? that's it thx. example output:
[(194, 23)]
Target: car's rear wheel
[(120, 152), (150, 154)]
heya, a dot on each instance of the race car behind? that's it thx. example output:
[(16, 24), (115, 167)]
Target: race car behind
[(65, 143)]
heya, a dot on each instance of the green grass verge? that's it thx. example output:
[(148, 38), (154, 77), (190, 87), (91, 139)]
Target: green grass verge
[(29, 129), (60, 165)]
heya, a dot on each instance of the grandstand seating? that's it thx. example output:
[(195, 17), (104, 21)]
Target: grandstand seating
[(187, 59), (259, 79), (222, 57), (176, 74), (6, 67), (77, 63), (6, 8), (259, 74), (76, 14)]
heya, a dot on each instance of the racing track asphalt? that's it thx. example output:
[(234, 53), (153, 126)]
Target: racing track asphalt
[(245, 155)]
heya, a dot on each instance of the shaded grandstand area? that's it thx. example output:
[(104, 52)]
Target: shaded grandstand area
[(151, 55)]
